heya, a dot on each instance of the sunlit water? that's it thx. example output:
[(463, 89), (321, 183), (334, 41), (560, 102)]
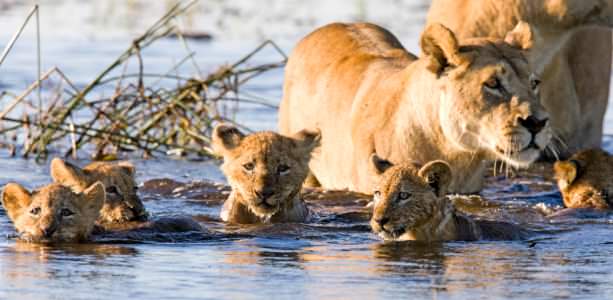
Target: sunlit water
[(333, 257)]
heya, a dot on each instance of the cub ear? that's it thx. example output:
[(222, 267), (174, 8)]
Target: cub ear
[(438, 175), (15, 199), (566, 172), (379, 164), (307, 140), (441, 46), (226, 138), (94, 199), (127, 167), (521, 37), (66, 173)]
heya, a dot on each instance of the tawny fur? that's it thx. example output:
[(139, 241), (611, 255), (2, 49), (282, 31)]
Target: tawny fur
[(266, 171), (410, 204), (122, 202), (53, 213), (368, 94), (572, 56), (586, 179)]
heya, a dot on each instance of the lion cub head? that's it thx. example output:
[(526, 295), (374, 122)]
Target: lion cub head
[(490, 98), (122, 202), (54, 213), (265, 169), (409, 202), (586, 179)]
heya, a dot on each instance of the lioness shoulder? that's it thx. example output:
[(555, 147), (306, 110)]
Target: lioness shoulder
[(266, 171)]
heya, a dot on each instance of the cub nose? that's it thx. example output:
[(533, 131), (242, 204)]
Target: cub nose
[(533, 124), (48, 231), (265, 193), (382, 221)]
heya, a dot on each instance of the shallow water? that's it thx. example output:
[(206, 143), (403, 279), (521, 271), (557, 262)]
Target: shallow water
[(335, 256)]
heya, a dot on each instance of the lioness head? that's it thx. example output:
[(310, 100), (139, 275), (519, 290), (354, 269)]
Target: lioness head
[(585, 179), (409, 198), (54, 213), (489, 101), (265, 169), (122, 202)]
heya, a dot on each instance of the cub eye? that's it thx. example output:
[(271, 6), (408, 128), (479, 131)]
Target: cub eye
[(66, 212), (282, 169), (248, 166), (534, 83), (112, 190), (403, 195), (35, 211), (493, 83)]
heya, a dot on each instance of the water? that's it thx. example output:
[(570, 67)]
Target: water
[(334, 257)]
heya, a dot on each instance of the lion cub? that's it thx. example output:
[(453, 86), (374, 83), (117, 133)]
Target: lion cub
[(410, 204), (54, 213), (585, 179), (266, 171), (122, 203)]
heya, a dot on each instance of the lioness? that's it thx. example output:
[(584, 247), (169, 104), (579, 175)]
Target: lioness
[(265, 171), (57, 213), (410, 204), (122, 202), (586, 179), (464, 103), (572, 55)]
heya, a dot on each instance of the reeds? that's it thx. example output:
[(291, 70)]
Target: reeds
[(146, 118)]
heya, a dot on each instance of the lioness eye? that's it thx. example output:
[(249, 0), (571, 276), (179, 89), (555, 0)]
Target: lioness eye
[(534, 83), (249, 166), (492, 83), (403, 195), (66, 212), (282, 169), (35, 211), (112, 190)]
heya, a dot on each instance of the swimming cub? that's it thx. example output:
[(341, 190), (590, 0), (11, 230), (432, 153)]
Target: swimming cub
[(122, 202), (410, 204), (585, 180), (266, 171), (57, 214)]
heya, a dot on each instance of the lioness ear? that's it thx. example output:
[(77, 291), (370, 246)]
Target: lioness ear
[(127, 167), (94, 199), (441, 46), (307, 140), (379, 164), (66, 173), (438, 175), (521, 37), (15, 199), (226, 138), (566, 172)]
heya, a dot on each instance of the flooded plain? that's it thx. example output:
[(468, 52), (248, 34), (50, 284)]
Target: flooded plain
[(333, 257)]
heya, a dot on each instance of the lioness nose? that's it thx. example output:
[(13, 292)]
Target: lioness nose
[(382, 221), (533, 124), (265, 193)]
